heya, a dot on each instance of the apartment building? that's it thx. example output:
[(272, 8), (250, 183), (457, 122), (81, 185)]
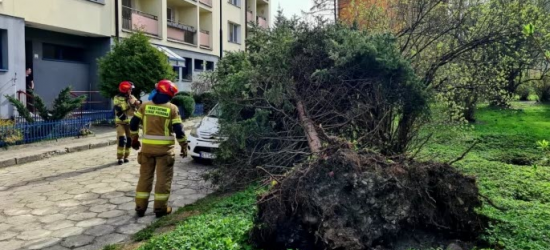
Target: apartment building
[(61, 40)]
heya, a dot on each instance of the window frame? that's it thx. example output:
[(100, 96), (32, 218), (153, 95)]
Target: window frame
[(58, 53), (4, 50), (236, 3), (232, 31)]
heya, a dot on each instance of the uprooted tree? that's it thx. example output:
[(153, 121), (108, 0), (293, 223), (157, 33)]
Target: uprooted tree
[(326, 113)]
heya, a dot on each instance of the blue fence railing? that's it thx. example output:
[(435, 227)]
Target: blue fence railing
[(199, 109), (96, 116), (23, 133)]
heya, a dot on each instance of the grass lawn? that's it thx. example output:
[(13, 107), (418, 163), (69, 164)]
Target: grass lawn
[(503, 162)]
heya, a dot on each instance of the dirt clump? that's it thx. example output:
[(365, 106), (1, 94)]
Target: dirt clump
[(351, 200)]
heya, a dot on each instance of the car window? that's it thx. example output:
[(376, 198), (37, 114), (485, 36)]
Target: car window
[(215, 112)]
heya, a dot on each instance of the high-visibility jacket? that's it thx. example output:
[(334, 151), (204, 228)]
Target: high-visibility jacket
[(158, 122), (124, 105)]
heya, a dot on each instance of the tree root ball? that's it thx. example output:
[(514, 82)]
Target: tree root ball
[(352, 201)]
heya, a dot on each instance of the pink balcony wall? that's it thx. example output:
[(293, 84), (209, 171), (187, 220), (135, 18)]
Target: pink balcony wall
[(175, 34), (262, 22), (148, 24), (249, 16), (204, 39)]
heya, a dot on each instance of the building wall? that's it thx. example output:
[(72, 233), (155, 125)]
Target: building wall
[(82, 16), (14, 78), (50, 76)]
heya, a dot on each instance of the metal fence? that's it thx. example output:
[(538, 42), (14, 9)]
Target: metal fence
[(23, 133), (96, 116)]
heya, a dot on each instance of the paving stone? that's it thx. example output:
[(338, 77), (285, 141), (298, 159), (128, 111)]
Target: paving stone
[(41, 244), (97, 185), (112, 195), (91, 222), (60, 197), (122, 220), (95, 202), (127, 206), (86, 196), (21, 219), (69, 231), (59, 225), (102, 208), (57, 247), (120, 200), (34, 234), (52, 218), (147, 220), (111, 239), (103, 190), (68, 203), (11, 245), (82, 216), (6, 235), (100, 230), (77, 191), (45, 211), (26, 226), (111, 214), (95, 246), (77, 241), (130, 229), (40, 204), (15, 211)]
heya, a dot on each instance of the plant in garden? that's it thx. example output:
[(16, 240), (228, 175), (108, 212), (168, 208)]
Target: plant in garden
[(186, 102), (9, 134), (133, 59), (21, 108)]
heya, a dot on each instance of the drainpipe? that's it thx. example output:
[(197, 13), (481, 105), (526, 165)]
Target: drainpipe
[(221, 30), (117, 28), (245, 21)]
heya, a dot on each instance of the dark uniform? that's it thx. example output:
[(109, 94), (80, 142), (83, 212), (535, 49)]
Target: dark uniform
[(125, 106)]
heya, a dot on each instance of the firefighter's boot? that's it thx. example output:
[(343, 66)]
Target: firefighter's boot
[(163, 212)]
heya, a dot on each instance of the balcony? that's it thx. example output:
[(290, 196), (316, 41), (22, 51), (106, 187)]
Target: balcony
[(206, 2), (133, 19), (204, 39), (249, 16), (262, 22), (181, 32)]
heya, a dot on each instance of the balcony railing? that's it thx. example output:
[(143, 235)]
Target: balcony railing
[(262, 22), (206, 2), (249, 16), (136, 20), (205, 39), (181, 32)]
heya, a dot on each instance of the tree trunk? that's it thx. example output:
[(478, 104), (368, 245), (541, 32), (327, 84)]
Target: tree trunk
[(313, 139)]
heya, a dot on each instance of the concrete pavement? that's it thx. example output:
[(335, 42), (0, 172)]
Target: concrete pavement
[(81, 200)]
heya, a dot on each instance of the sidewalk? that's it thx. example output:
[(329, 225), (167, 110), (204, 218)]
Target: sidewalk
[(102, 137)]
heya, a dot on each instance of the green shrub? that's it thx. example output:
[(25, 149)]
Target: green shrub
[(186, 102), (542, 89), (184, 93), (523, 92), (9, 135)]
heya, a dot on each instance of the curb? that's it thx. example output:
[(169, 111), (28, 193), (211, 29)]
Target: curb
[(32, 158), (49, 154)]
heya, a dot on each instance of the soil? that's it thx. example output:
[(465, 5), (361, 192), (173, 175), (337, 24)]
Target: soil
[(350, 200)]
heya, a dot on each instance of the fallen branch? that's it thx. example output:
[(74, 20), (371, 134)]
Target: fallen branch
[(463, 154)]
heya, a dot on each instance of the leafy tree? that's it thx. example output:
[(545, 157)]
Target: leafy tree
[(133, 59), (186, 102)]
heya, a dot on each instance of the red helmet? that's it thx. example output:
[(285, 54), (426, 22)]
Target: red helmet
[(167, 87), (125, 87)]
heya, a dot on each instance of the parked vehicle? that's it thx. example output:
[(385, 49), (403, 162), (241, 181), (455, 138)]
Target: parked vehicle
[(204, 140)]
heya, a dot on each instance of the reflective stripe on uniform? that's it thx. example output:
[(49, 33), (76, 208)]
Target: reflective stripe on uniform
[(176, 121), (120, 151), (138, 115), (134, 132), (161, 197), (157, 142), (159, 137), (182, 139), (157, 111), (166, 130), (142, 195)]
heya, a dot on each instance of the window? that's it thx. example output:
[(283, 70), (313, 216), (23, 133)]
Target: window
[(187, 73), (234, 33), (235, 2), (62, 53), (199, 65), (209, 66), (178, 72), (3, 49), (171, 15), (98, 1)]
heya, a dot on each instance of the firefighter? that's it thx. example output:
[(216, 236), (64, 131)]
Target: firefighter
[(125, 106), (160, 120)]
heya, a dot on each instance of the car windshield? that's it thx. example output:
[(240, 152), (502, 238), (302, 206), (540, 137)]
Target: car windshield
[(215, 112)]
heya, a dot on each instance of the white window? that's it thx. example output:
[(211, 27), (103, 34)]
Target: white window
[(234, 33), (171, 15), (235, 2)]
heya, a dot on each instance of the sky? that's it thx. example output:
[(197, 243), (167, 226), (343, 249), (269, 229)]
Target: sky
[(290, 7)]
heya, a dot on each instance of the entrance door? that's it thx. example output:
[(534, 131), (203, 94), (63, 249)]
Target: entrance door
[(28, 55)]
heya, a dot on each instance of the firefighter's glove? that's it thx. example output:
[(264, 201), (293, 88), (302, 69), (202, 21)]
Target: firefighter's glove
[(136, 144), (183, 153)]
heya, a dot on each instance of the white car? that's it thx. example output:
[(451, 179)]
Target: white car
[(203, 140)]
